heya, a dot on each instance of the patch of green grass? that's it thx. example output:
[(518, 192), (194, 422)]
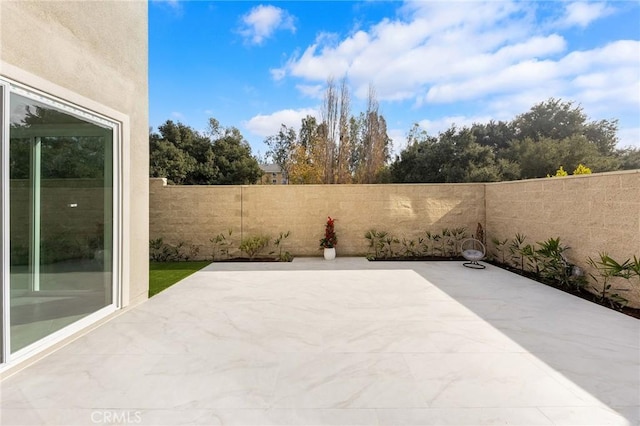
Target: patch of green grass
[(163, 275)]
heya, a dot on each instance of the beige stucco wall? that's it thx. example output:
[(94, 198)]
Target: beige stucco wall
[(194, 214), (590, 213), (93, 54)]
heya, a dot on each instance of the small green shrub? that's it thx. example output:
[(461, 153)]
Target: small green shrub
[(383, 245), (501, 249), (608, 268), (222, 245), (457, 235), (410, 248), (159, 251), (582, 170), (433, 243), (516, 247), (376, 242), (554, 265), (278, 242), (254, 245)]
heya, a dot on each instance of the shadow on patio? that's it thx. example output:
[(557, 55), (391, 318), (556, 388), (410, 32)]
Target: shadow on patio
[(343, 342)]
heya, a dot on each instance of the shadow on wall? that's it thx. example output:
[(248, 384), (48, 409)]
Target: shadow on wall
[(196, 214)]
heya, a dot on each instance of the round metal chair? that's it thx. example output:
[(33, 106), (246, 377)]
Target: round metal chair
[(473, 250)]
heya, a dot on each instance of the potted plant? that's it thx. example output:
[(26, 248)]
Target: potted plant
[(329, 242)]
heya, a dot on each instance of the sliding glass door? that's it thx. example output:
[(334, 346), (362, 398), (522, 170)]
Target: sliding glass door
[(61, 218)]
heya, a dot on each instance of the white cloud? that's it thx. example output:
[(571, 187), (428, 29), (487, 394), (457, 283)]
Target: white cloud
[(629, 137), (503, 57), (433, 127), (315, 91), (398, 141), (175, 6), (262, 21), (268, 125), (444, 52), (437, 43), (582, 13), (278, 73)]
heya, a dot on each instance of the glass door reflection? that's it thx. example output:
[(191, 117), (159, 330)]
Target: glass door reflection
[(61, 198)]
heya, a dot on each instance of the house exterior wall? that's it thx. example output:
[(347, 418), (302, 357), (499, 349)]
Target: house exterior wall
[(268, 178), (93, 54)]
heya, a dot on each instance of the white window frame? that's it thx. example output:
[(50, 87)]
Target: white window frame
[(118, 123), (4, 223)]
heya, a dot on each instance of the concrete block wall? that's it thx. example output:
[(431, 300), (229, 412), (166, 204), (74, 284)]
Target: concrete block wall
[(590, 213), (197, 213), (193, 214)]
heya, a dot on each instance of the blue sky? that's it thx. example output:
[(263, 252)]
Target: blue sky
[(257, 65)]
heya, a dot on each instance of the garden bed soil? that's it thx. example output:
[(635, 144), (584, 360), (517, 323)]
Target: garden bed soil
[(416, 259), (246, 259)]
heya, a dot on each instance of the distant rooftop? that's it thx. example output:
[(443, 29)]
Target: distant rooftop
[(270, 168)]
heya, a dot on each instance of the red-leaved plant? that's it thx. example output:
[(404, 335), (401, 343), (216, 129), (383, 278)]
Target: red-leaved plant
[(330, 240)]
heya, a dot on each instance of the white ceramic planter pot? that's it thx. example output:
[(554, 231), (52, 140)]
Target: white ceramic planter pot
[(329, 253)]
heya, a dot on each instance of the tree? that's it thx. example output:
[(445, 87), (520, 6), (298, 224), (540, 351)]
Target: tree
[(494, 134), (558, 120), (418, 162), (373, 144), (185, 156), (234, 161), (343, 169), (329, 130), (339, 149), (552, 119), (629, 158), (170, 162), (453, 156), (281, 147), (182, 155), (541, 158), (307, 159)]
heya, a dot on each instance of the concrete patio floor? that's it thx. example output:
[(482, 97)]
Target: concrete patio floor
[(343, 342)]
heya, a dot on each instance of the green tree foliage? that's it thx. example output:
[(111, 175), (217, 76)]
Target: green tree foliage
[(540, 158), (629, 158), (454, 156), (531, 145), (234, 161), (167, 160), (552, 119), (62, 157), (495, 135), (187, 157)]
